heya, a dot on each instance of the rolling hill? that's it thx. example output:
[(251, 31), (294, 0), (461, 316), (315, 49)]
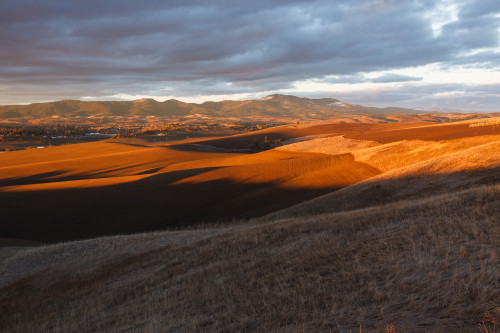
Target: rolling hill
[(343, 227), (143, 188), (283, 108), (135, 186)]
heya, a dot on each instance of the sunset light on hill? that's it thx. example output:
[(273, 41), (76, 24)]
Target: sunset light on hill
[(250, 166)]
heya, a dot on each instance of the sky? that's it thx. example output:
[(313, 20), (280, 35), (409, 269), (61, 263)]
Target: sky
[(432, 55)]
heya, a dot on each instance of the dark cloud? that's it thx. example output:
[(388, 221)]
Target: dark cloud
[(99, 48), (478, 9)]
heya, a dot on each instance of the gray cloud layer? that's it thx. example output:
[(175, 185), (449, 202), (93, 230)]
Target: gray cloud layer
[(58, 49)]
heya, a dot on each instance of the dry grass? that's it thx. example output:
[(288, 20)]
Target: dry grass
[(326, 145), (426, 265), (93, 160), (416, 169), (151, 188), (404, 153), (427, 132), (309, 171), (491, 320), (394, 155), (414, 249)]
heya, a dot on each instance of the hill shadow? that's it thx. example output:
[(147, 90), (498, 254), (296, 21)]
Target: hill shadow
[(44, 177), (384, 191), (152, 203), (62, 175), (160, 202), (207, 148)]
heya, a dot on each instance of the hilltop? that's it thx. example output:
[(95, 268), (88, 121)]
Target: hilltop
[(278, 108)]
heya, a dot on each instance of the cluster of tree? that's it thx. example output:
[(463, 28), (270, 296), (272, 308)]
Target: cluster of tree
[(50, 132), (45, 131), (42, 130), (266, 143), (152, 129)]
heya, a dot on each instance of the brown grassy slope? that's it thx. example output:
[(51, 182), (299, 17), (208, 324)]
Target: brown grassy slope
[(289, 132), (101, 188), (387, 156), (425, 265), (415, 169), (115, 188), (309, 171), (378, 132), (90, 161), (425, 132), (404, 153), (326, 144), (11, 246)]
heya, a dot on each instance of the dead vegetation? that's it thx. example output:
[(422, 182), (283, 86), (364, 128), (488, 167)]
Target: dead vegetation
[(162, 186), (430, 264), (413, 249), (412, 169)]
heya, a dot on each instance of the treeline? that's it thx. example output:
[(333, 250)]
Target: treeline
[(17, 132), (194, 127), (128, 130)]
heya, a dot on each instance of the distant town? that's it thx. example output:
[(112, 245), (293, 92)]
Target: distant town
[(18, 137)]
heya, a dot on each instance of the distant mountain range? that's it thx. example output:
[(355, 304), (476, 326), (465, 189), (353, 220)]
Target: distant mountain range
[(273, 107)]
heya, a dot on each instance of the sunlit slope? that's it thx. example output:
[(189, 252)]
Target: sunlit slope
[(61, 196), (413, 169), (90, 161), (423, 265), (303, 171), (381, 133), (395, 224), (428, 132), (388, 156), (93, 189)]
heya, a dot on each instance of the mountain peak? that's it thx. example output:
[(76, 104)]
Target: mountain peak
[(278, 96), (144, 100), (266, 98), (276, 107)]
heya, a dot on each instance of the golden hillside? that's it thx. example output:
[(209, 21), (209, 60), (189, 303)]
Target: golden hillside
[(344, 227)]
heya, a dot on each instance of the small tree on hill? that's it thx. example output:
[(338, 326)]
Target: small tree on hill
[(266, 142), (256, 144)]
